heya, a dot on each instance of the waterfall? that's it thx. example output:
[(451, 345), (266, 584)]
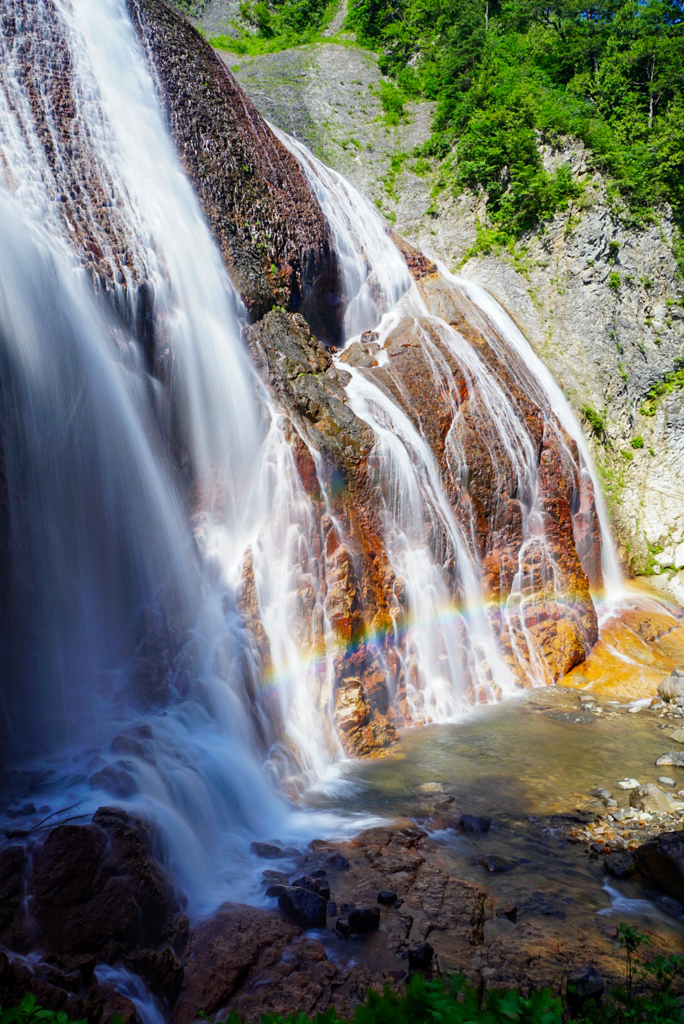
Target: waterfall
[(107, 583), (165, 641), (452, 641)]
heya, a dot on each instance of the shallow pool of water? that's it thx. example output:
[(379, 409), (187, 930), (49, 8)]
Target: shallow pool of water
[(519, 763)]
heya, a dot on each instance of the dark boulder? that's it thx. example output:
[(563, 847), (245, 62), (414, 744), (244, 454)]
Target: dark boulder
[(620, 865), (387, 897), (583, 985), (420, 957), (336, 862), (473, 823), (307, 909), (363, 920), (99, 888), (318, 885), (161, 971), (114, 779), (13, 917), (661, 862), (266, 850)]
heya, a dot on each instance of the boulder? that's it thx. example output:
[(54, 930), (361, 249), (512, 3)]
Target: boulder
[(508, 910), (363, 920), (620, 865), (649, 798), (496, 864), (13, 919), (114, 779), (473, 823), (420, 957), (307, 909), (223, 951), (161, 971), (672, 687), (661, 862), (317, 885), (387, 897), (266, 850), (673, 759), (100, 888)]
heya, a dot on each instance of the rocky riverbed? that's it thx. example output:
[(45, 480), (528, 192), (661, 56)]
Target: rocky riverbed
[(508, 846)]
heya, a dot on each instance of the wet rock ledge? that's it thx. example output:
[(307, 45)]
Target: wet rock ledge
[(343, 917)]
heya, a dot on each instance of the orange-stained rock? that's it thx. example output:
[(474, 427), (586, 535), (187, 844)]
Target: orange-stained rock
[(638, 647), (363, 731)]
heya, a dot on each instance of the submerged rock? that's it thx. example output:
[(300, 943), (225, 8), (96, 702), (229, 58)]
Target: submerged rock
[(473, 823)]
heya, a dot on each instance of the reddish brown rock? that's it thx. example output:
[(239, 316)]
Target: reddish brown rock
[(99, 888), (274, 238)]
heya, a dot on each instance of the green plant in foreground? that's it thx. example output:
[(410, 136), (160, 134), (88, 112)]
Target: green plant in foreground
[(637, 442), (29, 1012)]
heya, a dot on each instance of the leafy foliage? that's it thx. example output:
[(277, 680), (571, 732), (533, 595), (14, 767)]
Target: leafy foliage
[(507, 73), (29, 1012), (277, 25)]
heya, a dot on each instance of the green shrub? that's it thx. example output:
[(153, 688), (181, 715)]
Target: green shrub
[(637, 442), (594, 419), (392, 101), (614, 281)]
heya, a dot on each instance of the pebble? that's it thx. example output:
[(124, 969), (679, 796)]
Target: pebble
[(678, 736), (628, 784), (665, 780)]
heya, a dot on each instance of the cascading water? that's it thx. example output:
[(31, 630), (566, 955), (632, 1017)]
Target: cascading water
[(105, 465), (105, 584), (450, 639)]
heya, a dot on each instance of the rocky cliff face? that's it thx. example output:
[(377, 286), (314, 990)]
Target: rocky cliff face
[(599, 297), (349, 600), (348, 585), (273, 236)]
